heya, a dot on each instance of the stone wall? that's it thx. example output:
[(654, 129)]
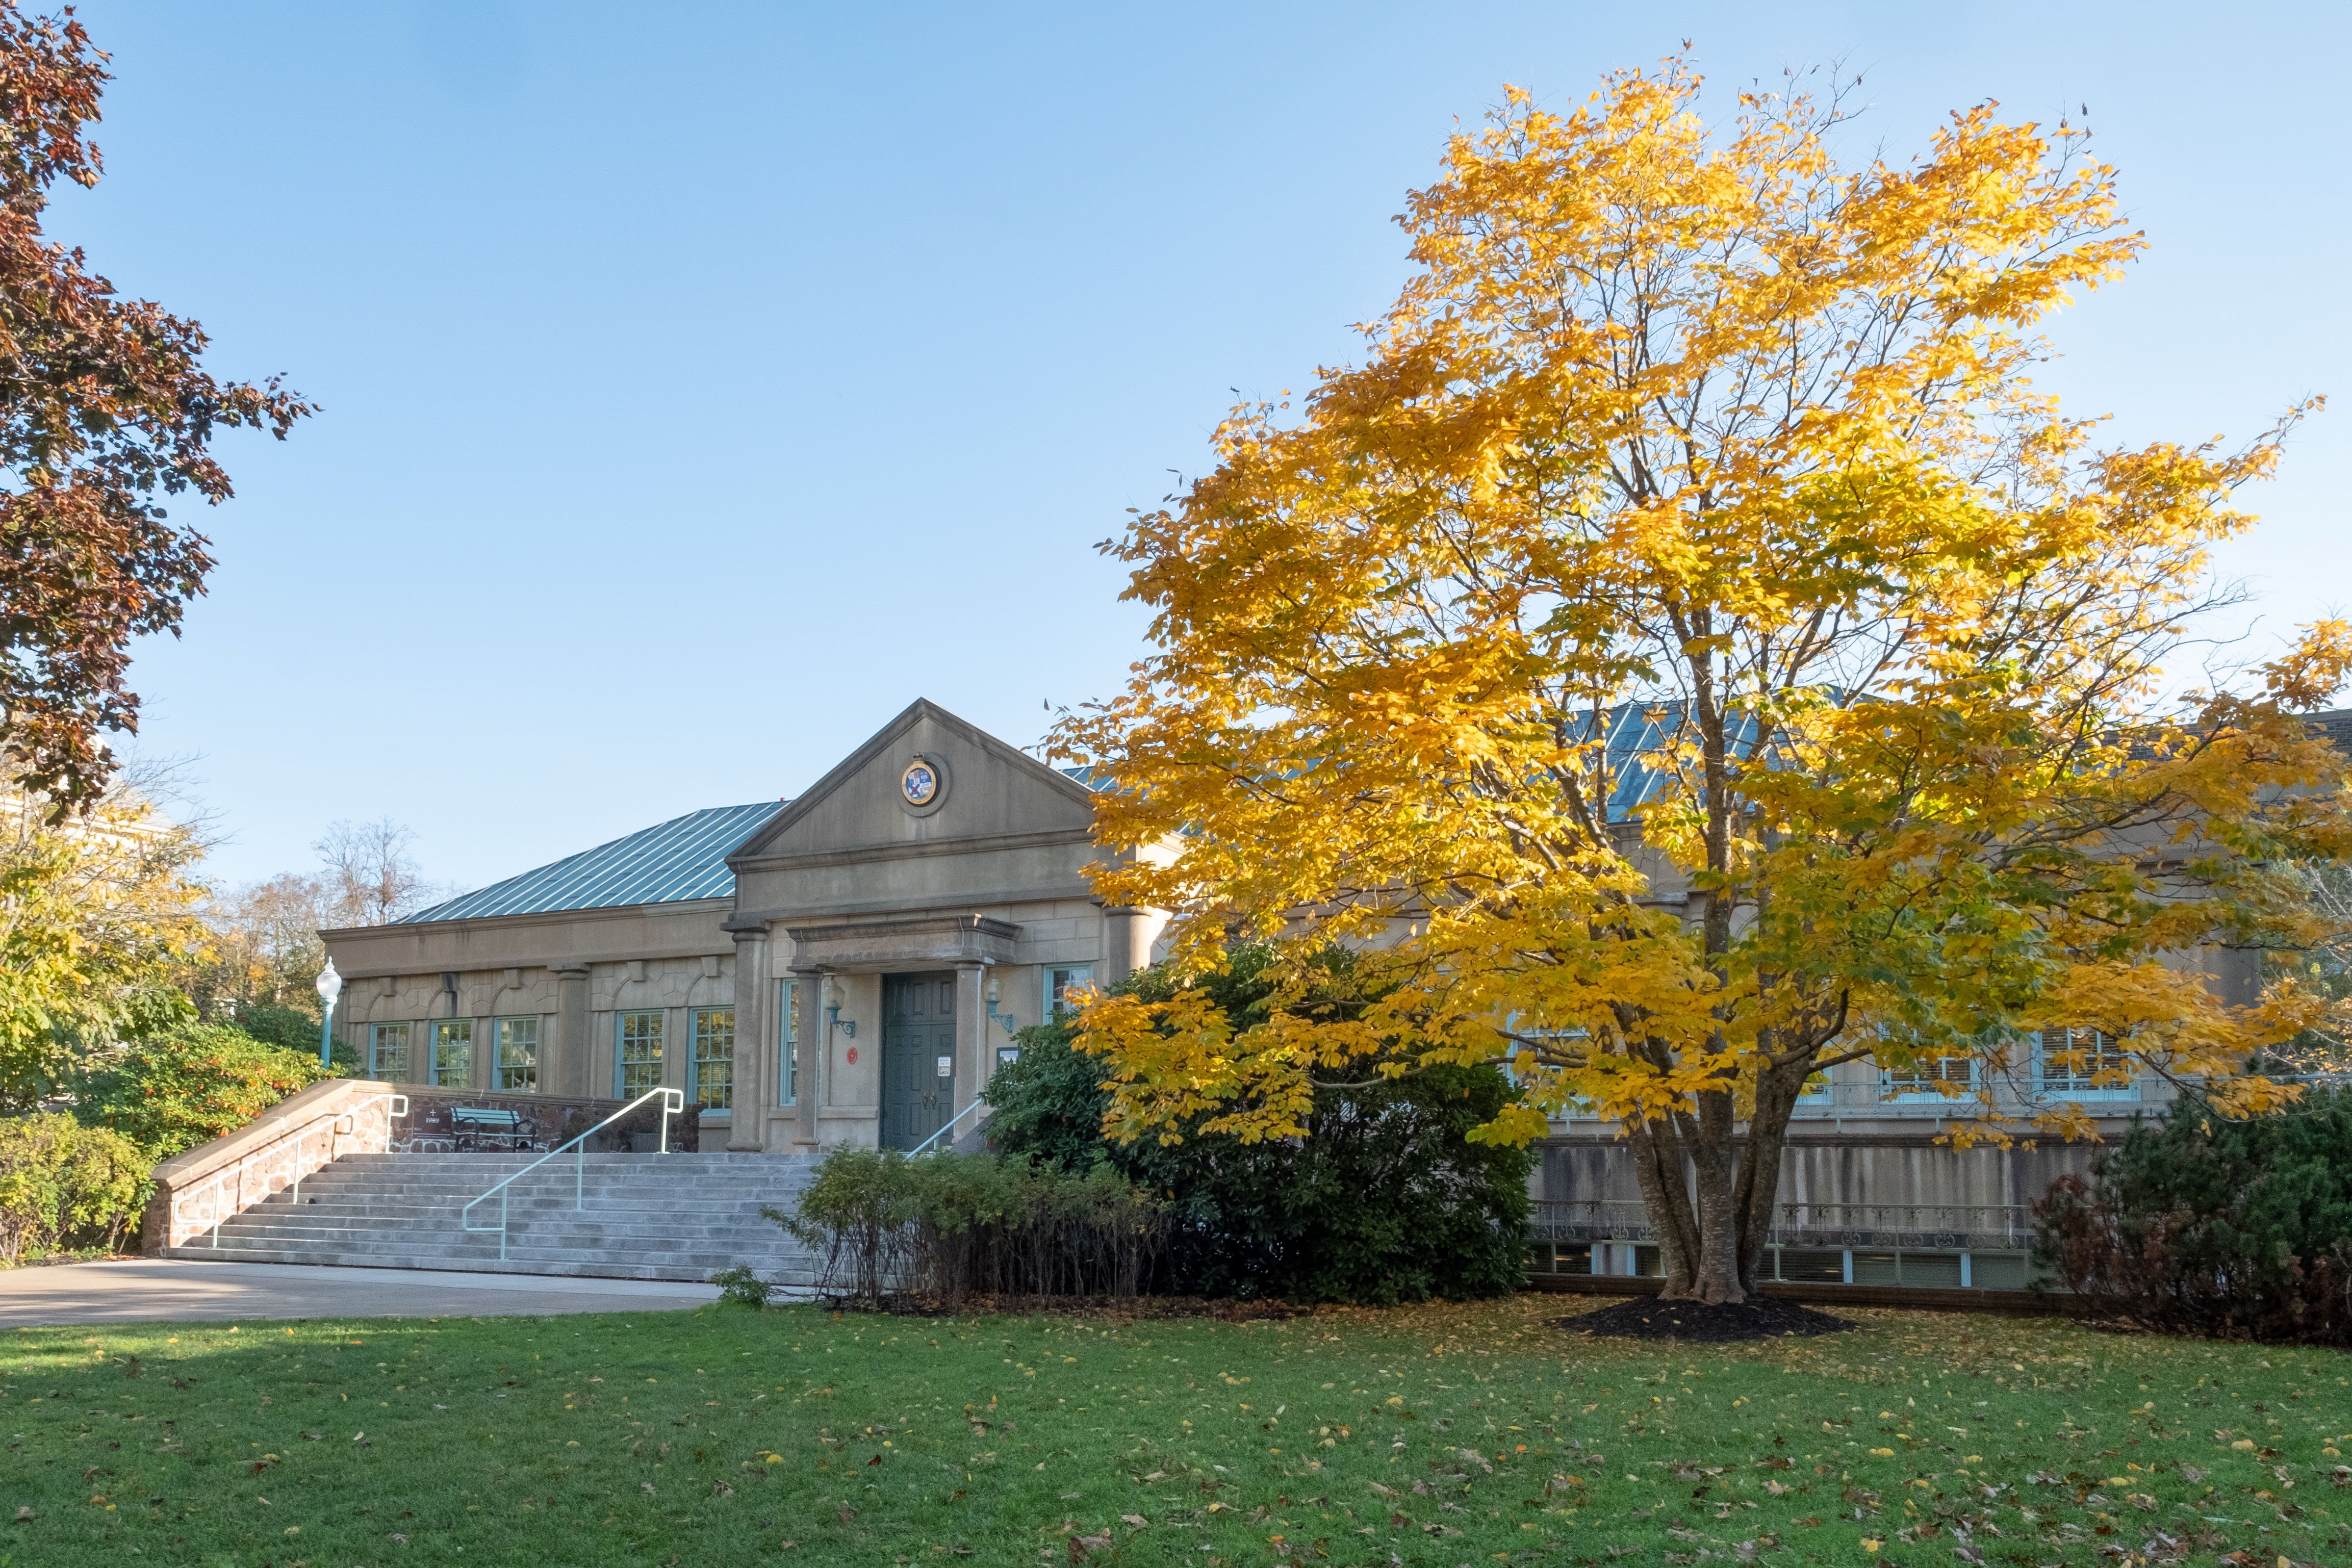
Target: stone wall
[(543, 1121), (198, 1189)]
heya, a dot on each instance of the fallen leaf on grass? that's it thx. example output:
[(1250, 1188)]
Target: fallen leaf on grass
[(1136, 1519)]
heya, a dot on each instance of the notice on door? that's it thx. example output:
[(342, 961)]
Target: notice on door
[(947, 1067)]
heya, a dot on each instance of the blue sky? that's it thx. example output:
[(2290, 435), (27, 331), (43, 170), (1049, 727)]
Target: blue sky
[(702, 384)]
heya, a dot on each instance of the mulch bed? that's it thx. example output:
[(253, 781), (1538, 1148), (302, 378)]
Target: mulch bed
[(1701, 1323)]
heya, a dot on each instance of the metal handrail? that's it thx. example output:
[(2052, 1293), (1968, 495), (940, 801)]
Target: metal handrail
[(945, 1127), (1797, 1222), (673, 1103), (295, 1187)]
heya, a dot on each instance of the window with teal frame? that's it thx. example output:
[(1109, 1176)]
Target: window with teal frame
[(518, 1059), (1061, 979), (788, 1043), (388, 1051), (711, 1082), (1932, 1078), (638, 1052), (2083, 1064), (453, 1052)]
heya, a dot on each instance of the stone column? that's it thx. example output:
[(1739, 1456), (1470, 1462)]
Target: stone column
[(971, 1042), (815, 1045), (567, 1072), (1126, 944), (755, 1038)]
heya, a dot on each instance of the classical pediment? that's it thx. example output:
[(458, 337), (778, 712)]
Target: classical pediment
[(926, 778)]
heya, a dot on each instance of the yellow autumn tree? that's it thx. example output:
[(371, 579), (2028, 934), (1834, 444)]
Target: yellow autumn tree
[(1688, 653), (98, 921)]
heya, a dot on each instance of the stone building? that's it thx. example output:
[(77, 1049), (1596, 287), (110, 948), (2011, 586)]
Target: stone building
[(847, 967)]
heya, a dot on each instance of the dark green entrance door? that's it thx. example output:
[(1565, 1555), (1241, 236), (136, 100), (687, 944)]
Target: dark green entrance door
[(918, 1057)]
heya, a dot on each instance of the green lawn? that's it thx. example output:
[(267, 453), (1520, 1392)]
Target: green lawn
[(1441, 1436)]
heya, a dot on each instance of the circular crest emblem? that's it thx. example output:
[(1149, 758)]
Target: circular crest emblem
[(919, 783)]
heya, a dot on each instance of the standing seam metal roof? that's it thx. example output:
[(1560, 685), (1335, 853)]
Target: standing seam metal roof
[(683, 858)]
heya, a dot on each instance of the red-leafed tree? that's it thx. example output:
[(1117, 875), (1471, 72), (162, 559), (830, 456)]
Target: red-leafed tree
[(105, 409)]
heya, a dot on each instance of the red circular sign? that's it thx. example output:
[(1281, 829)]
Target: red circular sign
[(852, 1056)]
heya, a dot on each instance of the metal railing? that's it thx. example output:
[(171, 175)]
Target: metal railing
[(1906, 1100), (2004, 1225), (945, 1127), (673, 1103), (279, 1145)]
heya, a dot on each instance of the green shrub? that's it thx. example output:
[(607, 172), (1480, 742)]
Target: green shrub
[(857, 1215), (949, 1227), (289, 1028), (2202, 1225), (741, 1287), (190, 1085), (65, 1186), (1385, 1199)]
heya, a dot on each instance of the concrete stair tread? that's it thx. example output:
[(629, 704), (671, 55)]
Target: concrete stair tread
[(649, 1217)]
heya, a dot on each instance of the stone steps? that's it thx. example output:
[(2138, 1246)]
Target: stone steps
[(640, 1216)]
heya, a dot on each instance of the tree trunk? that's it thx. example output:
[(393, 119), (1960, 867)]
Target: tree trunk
[(1658, 1170), (1688, 1168), (1757, 1195)]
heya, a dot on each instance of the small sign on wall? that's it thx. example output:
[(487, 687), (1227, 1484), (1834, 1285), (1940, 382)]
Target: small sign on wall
[(947, 1067)]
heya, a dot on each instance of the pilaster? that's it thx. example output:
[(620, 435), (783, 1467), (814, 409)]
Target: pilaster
[(568, 1068), (755, 1036), (971, 1042), (815, 1045)]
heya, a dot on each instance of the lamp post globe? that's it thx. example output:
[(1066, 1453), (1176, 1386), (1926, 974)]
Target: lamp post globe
[(331, 985)]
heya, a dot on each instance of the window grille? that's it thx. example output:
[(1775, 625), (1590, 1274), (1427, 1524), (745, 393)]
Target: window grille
[(1060, 981), (788, 1014), (640, 1050), (517, 1062), (1938, 1077), (388, 1051), (714, 1058), (2074, 1059), (453, 1051)]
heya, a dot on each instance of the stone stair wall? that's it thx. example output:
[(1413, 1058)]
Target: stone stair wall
[(642, 1216)]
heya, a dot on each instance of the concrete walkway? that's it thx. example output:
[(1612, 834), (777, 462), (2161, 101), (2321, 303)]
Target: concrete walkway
[(170, 1290)]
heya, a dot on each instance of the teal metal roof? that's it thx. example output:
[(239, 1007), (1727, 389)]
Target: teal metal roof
[(683, 858)]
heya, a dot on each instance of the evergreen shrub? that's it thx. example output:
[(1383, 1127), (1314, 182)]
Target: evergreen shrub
[(2202, 1225), (1385, 1200)]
